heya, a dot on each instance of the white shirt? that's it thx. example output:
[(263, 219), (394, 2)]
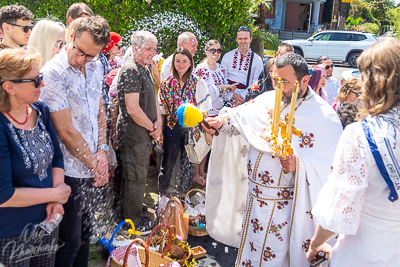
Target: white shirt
[(213, 79), (166, 68), (237, 68), (66, 87), (331, 89)]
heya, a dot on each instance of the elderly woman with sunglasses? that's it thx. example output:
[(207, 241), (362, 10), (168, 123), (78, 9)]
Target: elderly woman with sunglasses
[(47, 38), (349, 92), (32, 187)]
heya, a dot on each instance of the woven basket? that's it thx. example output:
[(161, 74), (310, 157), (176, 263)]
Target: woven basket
[(148, 258), (193, 230)]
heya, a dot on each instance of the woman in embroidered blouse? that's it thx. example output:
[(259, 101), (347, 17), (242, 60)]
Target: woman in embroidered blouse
[(182, 86), (214, 75), (317, 80), (32, 187), (359, 199)]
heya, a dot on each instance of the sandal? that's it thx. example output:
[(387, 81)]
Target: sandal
[(199, 180)]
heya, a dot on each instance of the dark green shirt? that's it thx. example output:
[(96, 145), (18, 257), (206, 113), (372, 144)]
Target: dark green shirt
[(134, 78)]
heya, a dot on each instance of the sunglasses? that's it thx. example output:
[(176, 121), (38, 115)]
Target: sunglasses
[(357, 94), (38, 80), (119, 46), (243, 28), (25, 28), (213, 51), (329, 66), (60, 44)]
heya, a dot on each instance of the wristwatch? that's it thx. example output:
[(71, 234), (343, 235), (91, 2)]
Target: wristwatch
[(105, 147)]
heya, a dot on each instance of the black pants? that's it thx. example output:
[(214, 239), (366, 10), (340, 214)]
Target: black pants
[(76, 226), (174, 141)]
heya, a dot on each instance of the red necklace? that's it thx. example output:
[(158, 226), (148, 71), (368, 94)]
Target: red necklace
[(20, 123)]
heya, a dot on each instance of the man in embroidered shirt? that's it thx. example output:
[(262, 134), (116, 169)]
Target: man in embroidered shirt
[(139, 122), (16, 24), (187, 40), (237, 65), (331, 87), (72, 91), (281, 191)]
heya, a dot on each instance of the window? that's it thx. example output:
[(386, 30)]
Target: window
[(339, 36), (322, 37), (359, 37)]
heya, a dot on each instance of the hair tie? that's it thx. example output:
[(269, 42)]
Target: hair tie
[(311, 71)]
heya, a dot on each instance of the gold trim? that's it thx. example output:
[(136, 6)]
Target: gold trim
[(280, 178), (272, 187), (256, 165), (244, 232), (266, 234), (269, 199), (294, 203)]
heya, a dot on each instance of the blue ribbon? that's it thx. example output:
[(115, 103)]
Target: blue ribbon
[(379, 162)]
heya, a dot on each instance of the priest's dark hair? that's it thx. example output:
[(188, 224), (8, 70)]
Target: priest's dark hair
[(298, 63)]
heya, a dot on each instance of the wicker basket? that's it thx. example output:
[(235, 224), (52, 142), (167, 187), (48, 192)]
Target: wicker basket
[(148, 258), (193, 230)]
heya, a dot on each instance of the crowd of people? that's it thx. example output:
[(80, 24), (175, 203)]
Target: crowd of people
[(75, 113)]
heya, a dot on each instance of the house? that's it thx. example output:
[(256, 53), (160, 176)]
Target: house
[(295, 15)]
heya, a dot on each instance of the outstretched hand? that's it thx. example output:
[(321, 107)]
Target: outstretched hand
[(215, 122)]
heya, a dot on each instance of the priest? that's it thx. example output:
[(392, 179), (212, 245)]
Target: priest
[(277, 223)]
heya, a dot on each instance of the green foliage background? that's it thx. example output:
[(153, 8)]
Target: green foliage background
[(218, 19)]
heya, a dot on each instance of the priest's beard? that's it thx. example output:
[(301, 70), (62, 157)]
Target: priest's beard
[(288, 98)]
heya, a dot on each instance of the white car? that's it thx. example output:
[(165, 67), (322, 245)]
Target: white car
[(340, 46)]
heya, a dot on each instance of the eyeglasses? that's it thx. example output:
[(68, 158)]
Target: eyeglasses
[(77, 51), (357, 94), (119, 46), (329, 66), (244, 28), (38, 80), (25, 28), (213, 51), (60, 44)]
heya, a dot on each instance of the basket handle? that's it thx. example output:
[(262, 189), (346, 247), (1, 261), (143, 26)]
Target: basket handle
[(146, 249), (169, 238), (190, 191)]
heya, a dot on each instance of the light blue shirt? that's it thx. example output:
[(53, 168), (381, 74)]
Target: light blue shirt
[(66, 87)]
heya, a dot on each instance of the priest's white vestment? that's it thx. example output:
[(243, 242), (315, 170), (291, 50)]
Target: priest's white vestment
[(277, 224)]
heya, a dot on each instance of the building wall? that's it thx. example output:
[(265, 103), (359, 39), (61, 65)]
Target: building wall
[(280, 13)]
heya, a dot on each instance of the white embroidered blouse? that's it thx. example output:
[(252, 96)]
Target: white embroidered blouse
[(354, 202)]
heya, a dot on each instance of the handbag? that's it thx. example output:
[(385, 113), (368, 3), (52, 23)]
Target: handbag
[(173, 215), (197, 147)]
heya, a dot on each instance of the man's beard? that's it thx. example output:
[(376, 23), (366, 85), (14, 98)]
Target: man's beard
[(288, 99)]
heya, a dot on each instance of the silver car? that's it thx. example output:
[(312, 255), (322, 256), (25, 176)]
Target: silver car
[(340, 46)]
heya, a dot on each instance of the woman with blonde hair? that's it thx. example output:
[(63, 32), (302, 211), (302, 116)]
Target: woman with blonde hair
[(350, 91), (32, 187), (47, 38), (360, 200)]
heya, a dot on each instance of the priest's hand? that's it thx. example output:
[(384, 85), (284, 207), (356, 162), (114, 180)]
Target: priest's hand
[(313, 251), (215, 122), (288, 163)]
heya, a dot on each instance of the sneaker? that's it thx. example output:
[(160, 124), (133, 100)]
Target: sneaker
[(145, 225)]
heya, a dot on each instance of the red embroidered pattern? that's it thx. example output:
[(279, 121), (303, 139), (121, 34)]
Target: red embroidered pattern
[(171, 97), (243, 59)]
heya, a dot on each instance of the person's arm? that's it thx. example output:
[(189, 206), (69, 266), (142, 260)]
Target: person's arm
[(101, 172), (114, 111), (318, 243), (203, 97), (134, 110), (224, 64), (72, 139), (156, 134)]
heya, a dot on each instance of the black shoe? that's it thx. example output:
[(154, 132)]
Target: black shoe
[(144, 208)]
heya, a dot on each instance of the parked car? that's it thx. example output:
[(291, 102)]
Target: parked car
[(340, 46)]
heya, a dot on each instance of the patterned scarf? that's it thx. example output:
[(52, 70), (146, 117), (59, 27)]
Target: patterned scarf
[(171, 97)]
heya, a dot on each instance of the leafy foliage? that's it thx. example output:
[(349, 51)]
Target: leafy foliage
[(370, 27)]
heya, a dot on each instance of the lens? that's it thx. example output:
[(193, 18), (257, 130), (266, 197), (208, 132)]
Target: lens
[(27, 28)]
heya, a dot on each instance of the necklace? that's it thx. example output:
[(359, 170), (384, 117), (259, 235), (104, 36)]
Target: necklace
[(20, 123)]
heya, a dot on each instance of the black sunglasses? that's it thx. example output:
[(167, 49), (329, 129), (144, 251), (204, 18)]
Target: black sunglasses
[(60, 44), (25, 28), (329, 66), (213, 51), (38, 80), (357, 94), (119, 46)]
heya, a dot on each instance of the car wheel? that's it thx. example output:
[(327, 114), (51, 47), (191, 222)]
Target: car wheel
[(353, 59), (298, 51)]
